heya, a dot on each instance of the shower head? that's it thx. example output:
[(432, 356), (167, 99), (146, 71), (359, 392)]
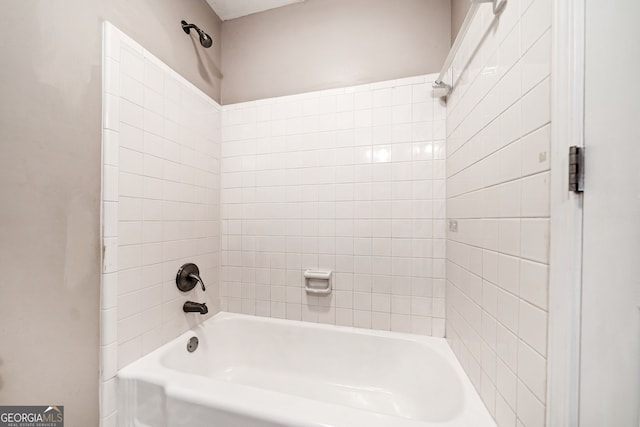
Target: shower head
[(205, 39)]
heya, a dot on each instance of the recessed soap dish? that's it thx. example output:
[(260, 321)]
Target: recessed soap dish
[(317, 282)]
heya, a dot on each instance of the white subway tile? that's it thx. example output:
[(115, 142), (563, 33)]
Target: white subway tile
[(129, 352), (131, 114), (131, 137), (362, 100), (110, 145), (130, 185), (438, 327), (536, 196), (111, 112), (505, 415), (507, 384), (110, 255), (509, 51), (153, 122), (421, 93), (111, 42), (129, 257), (536, 63), (510, 236), (108, 397), (510, 87), (130, 161), (532, 370), (109, 218), (535, 240), (535, 151), (108, 361), (131, 89), (400, 323), (534, 283), (488, 393), (402, 95), (510, 124), (531, 411), (535, 21), (510, 162), (509, 273), (153, 76), (490, 266), (490, 298), (108, 326), (381, 321), (507, 347), (536, 106), (510, 195), (153, 102), (381, 302), (533, 327), (109, 291), (362, 319), (131, 62), (111, 76), (508, 310), (382, 97)]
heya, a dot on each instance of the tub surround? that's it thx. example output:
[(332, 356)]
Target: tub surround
[(360, 191), (349, 180), (161, 151), (498, 174)]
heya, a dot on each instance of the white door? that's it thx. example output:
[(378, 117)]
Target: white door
[(610, 353)]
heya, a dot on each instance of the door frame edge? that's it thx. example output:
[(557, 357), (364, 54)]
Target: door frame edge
[(565, 260)]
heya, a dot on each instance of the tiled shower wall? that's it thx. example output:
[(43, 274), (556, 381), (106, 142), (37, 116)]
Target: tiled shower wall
[(350, 180), (498, 136), (161, 151)]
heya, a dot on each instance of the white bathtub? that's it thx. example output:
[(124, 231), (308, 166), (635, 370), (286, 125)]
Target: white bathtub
[(250, 371)]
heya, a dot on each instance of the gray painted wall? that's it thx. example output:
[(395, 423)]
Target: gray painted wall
[(156, 26), (459, 9), (50, 120), (321, 44)]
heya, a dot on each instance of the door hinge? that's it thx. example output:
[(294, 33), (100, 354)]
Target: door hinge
[(576, 169)]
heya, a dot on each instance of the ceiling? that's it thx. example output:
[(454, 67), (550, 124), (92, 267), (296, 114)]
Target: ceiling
[(230, 9)]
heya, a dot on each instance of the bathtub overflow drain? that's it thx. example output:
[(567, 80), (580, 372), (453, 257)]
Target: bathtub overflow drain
[(192, 345)]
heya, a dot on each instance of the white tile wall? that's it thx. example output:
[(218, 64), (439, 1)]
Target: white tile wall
[(498, 189), (350, 180), (161, 180)]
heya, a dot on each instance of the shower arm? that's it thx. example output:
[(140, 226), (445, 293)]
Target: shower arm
[(187, 27)]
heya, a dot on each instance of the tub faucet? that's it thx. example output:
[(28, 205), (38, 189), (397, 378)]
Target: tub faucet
[(195, 307), (188, 277), (196, 277)]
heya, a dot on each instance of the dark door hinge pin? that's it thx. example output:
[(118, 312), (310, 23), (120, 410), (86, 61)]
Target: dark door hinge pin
[(576, 169)]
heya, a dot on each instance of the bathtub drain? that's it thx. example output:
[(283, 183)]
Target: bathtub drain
[(192, 345)]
